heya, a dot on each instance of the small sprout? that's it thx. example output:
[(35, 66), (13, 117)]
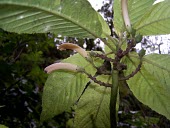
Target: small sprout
[(75, 47), (138, 38), (133, 33), (141, 53), (57, 66)]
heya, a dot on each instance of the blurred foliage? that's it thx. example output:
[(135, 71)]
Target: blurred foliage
[(22, 60)]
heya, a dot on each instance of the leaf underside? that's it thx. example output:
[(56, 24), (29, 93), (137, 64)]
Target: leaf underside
[(156, 20), (136, 8), (67, 18), (93, 108), (145, 16), (150, 85), (62, 88), (61, 91)]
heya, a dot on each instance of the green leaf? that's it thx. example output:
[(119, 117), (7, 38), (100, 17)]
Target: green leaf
[(149, 84), (118, 19), (63, 88), (93, 108), (74, 18), (158, 66), (61, 91), (136, 8), (3, 126), (156, 20)]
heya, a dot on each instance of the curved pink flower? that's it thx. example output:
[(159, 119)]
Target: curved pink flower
[(75, 47), (57, 66)]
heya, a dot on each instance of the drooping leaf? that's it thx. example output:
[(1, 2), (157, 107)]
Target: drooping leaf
[(63, 88), (156, 20), (136, 9), (148, 85), (74, 18), (93, 108)]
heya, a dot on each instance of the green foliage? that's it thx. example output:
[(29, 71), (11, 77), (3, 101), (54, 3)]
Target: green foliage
[(157, 17), (145, 17), (61, 91), (151, 89), (3, 126), (22, 60), (50, 16), (147, 76), (61, 96), (93, 108)]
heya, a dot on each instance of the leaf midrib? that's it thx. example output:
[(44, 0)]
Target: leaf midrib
[(43, 9)]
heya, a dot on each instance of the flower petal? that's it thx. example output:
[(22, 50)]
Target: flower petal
[(75, 47), (57, 66)]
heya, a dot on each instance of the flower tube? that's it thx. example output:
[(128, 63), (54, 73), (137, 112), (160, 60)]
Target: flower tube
[(75, 47), (124, 4), (57, 66)]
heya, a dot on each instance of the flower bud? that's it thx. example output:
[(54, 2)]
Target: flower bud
[(75, 47), (57, 66)]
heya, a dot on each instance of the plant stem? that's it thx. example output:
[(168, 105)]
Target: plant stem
[(113, 99)]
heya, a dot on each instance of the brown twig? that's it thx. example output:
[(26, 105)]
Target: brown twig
[(133, 73), (102, 56), (93, 78)]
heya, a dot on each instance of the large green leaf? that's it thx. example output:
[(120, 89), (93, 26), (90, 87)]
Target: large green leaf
[(74, 18), (136, 8), (149, 84), (61, 91), (63, 88), (156, 20), (93, 108), (158, 66)]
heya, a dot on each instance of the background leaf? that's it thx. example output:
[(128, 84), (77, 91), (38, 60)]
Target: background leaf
[(146, 18), (69, 18), (63, 88), (156, 20), (136, 8), (3, 126), (150, 89), (93, 107)]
